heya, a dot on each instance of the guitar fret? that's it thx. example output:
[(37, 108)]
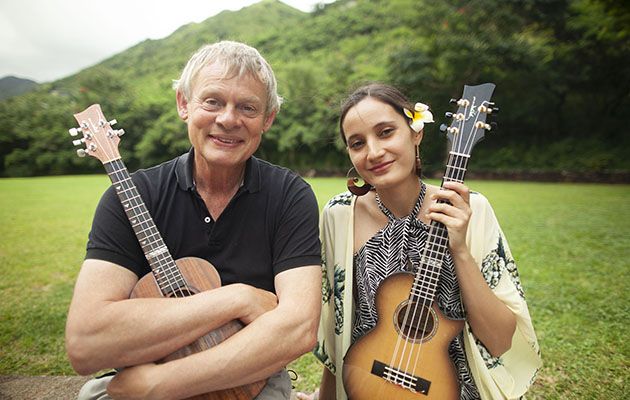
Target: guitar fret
[(424, 290), (454, 167), (454, 153), (166, 273), (133, 207), (154, 253), (122, 190)]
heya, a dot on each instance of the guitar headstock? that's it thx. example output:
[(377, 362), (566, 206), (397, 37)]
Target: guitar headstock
[(101, 141), (469, 121)]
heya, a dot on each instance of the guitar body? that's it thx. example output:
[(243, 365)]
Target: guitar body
[(366, 358), (200, 275)]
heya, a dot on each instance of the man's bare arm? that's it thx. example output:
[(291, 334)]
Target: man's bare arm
[(106, 329), (262, 348)]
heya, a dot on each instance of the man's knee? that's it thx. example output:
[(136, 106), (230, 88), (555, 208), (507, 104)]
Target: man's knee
[(95, 389)]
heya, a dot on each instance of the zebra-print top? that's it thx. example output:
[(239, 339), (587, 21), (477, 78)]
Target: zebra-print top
[(396, 248)]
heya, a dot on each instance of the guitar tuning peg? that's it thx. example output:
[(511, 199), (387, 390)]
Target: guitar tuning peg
[(443, 127), (78, 142), (81, 152), (494, 110), (448, 114), (74, 131), (119, 132), (483, 125), (112, 122), (453, 101)]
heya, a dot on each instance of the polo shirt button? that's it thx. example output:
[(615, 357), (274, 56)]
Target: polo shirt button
[(207, 220)]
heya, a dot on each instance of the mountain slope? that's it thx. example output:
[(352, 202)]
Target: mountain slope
[(12, 86), (556, 114)]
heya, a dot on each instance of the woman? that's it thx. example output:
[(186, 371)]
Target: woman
[(372, 234)]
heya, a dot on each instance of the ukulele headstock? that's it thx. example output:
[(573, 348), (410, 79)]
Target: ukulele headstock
[(469, 121), (100, 140)]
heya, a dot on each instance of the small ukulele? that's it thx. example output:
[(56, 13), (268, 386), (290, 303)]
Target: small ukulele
[(169, 278), (405, 356)]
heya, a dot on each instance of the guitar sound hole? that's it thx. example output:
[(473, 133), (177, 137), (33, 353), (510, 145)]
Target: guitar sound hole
[(416, 322)]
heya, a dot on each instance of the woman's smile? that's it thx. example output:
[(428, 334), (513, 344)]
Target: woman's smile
[(381, 168)]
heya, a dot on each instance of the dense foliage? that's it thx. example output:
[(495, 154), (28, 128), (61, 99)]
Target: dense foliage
[(562, 69)]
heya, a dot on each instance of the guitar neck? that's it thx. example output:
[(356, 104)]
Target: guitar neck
[(427, 277), (167, 274)]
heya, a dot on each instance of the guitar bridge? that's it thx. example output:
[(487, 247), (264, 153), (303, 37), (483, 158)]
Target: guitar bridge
[(401, 378)]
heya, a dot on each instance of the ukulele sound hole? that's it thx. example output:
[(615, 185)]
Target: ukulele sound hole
[(416, 322)]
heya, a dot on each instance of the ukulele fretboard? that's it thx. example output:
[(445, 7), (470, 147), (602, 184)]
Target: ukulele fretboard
[(167, 274), (427, 277)]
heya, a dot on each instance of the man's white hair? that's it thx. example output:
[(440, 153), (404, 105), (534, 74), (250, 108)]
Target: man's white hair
[(239, 60)]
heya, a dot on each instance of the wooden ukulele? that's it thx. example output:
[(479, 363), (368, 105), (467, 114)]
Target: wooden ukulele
[(405, 356), (169, 278)]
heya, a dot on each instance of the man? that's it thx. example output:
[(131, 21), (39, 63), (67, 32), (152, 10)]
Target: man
[(255, 222)]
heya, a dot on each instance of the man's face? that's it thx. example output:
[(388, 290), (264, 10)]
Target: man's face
[(225, 116)]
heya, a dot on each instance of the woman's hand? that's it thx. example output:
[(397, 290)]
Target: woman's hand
[(455, 214)]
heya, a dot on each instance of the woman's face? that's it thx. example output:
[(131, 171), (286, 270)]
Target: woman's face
[(380, 143)]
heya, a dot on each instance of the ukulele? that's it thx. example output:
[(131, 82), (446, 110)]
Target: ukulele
[(405, 356), (168, 278)]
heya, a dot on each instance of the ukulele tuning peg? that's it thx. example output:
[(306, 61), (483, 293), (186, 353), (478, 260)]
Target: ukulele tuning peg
[(78, 142), (483, 125), (112, 122), (74, 131), (448, 114), (443, 127), (81, 152), (453, 101), (119, 132)]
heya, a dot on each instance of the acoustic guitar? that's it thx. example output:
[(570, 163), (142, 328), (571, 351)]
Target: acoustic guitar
[(169, 278), (405, 356)]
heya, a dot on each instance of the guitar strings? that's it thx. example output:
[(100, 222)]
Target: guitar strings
[(460, 170), (429, 282), (459, 166), (414, 306), (459, 163), (162, 264)]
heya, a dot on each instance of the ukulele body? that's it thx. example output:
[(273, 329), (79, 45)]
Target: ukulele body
[(200, 275), (368, 359)]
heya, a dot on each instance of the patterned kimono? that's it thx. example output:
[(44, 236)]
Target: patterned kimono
[(505, 377)]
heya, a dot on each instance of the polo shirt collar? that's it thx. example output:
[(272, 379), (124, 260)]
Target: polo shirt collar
[(184, 172)]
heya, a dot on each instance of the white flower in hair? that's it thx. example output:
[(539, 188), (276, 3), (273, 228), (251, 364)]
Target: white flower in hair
[(420, 115)]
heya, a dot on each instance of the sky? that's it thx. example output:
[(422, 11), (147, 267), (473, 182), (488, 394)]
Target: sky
[(45, 40)]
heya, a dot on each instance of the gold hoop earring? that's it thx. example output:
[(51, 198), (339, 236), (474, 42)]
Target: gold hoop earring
[(353, 188)]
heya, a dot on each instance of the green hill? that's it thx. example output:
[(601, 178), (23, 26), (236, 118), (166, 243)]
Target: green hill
[(557, 115), (12, 86)]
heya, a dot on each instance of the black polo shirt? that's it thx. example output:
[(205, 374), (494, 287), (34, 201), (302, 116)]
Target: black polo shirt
[(271, 224)]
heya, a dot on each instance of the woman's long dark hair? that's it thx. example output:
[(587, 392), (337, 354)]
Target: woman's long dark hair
[(380, 91)]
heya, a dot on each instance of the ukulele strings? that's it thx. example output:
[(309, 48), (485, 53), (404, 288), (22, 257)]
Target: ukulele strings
[(424, 306), (460, 169), (421, 309), (163, 263)]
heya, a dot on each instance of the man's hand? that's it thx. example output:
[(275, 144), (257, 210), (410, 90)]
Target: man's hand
[(136, 383), (258, 302)]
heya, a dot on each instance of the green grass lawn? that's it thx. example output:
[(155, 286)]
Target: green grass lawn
[(571, 243)]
